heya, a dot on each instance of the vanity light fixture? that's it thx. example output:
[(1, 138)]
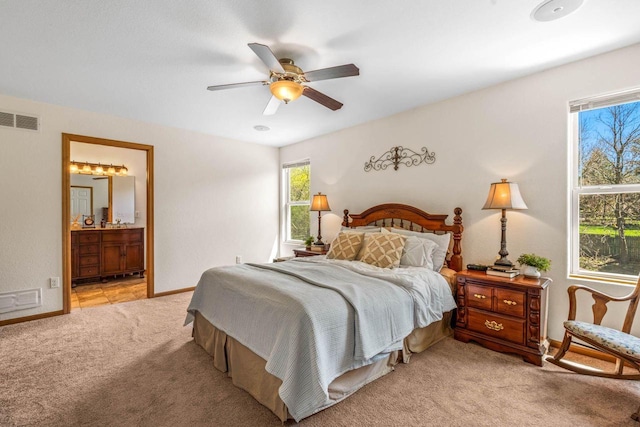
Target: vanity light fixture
[(97, 169)]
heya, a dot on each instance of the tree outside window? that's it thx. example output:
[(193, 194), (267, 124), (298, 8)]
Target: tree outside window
[(297, 180), (607, 194)]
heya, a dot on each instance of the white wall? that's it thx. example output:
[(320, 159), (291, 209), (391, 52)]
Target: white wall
[(517, 130), (209, 193)]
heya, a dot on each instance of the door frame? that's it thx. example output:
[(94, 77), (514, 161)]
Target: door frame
[(66, 210)]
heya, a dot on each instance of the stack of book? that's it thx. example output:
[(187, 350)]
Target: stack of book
[(502, 271)]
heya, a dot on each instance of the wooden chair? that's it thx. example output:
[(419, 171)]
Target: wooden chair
[(617, 343)]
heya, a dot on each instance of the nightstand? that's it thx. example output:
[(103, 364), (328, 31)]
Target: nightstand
[(506, 315), (303, 252)]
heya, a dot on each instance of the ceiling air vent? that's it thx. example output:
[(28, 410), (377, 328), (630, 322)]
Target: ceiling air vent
[(19, 121)]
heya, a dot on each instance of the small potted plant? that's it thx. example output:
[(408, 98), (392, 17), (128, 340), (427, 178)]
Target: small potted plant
[(533, 264), (308, 242)]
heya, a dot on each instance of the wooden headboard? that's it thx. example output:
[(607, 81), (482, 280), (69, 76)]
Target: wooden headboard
[(404, 216)]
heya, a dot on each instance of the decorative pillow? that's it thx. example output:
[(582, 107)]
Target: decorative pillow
[(367, 236), (417, 252), (442, 240), (384, 250), (346, 246)]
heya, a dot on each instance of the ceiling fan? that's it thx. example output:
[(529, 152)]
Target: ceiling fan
[(286, 80)]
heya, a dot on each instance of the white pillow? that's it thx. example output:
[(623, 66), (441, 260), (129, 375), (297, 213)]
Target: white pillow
[(417, 252), (442, 240)]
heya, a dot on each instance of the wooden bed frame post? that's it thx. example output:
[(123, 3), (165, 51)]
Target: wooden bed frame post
[(455, 263)]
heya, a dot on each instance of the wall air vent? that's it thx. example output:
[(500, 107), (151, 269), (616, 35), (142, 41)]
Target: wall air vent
[(19, 121), (7, 119)]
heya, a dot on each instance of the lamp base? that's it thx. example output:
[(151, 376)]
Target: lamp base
[(503, 262), (318, 243)]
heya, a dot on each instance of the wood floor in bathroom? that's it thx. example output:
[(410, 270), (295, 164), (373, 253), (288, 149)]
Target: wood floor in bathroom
[(113, 292)]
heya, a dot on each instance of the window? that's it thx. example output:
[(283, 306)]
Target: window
[(296, 179), (605, 200)]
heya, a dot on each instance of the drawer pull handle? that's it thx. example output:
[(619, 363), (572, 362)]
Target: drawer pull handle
[(506, 301), (479, 296), (493, 325)]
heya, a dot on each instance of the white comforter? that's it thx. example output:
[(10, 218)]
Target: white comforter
[(313, 319)]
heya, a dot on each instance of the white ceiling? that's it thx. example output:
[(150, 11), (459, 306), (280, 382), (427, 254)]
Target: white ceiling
[(152, 60)]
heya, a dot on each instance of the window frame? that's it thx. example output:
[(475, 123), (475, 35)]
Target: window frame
[(286, 199), (577, 189)]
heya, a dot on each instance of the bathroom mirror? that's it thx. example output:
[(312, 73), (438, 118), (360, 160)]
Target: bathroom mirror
[(112, 197)]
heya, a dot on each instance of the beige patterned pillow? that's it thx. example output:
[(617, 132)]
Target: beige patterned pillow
[(384, 250), (346, 246)]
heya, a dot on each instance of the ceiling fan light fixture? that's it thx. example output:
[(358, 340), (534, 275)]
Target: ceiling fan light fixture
[(286, 90)]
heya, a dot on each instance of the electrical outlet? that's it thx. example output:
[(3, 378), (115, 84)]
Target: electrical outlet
[(238, 259), (54, 282)]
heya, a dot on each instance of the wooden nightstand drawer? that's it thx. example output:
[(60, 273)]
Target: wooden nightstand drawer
[(304, 253), (494, 325), (479, 296), (503, 314), (510, 302)]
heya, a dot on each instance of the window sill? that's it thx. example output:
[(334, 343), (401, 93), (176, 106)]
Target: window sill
[(621, 280)]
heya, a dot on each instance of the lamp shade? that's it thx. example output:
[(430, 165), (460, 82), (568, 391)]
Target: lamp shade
[(286, 90), (320, 203), (504, 195)]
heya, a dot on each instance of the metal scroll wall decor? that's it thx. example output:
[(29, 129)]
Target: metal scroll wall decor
[(399, 155)]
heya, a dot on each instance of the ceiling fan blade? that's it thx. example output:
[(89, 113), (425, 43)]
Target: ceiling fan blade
[(265, 54), (321, 98), (234, 85), (347, 70), (272, 106)]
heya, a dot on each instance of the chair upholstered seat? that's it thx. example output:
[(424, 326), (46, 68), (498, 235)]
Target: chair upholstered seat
[(612, 339)]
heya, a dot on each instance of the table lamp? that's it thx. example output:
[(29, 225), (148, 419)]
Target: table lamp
[(320, 204), (504, 195)]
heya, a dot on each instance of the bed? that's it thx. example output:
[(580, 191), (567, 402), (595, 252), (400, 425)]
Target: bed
[(304, 334)]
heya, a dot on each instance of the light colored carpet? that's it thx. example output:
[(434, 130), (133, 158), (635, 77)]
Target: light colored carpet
[(134, 364)]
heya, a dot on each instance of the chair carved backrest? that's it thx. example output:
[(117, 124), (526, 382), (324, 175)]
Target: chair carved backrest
[(600, 305)]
